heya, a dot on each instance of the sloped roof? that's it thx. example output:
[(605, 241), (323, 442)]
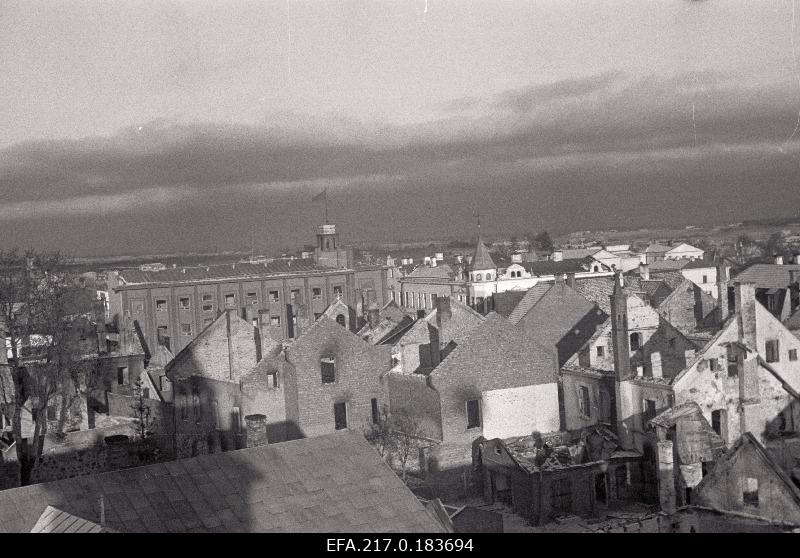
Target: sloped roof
[(496, 347), (331, 483), (700, 264), (505, 302), (657, 248), (532, 296), (232, 272), (597, 290), (694, 437), (549, 267), (576, 253), (667, 265), (767, 276), (442, 271), (54, 520), (684, 246), (482, 259), (748, 440)]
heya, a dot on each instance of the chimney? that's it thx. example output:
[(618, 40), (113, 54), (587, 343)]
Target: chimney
[(443, 315), (640, 371), (256, 430), (102, 511), (558, 256), (655, 365), (373, 315), (746, 311), (796, 259), (747, 361), (688, 355), (644, 271), (778, 259), (571, 279), (619, 327), (722, 291), (516, 258), (666, 472), (559, 277)]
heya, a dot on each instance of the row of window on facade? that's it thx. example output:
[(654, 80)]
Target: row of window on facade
[(251, 298), (426, 301)]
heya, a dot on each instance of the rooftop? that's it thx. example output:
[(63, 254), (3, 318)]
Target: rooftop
[(768, 276), (331, 483)]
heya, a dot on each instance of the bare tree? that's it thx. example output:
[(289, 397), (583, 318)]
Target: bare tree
[(142, 414), (406, 433), (379, 434), (38, 311)]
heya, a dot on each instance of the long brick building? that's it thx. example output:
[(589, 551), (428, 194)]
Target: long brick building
[(283, 297)]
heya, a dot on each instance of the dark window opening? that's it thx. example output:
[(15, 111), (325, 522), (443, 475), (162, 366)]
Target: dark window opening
[(122, 375), (750, 492), (648, 411), (340, 319), (792, 354), (473, 413), (376, 416), (716, 421), (733, 362), (328, 369), (601, 351), (636, 341), (273, 296), (252, 298), (230, 300), (272, 379), (161, 305), (185, 303), (773, 352), (340, 415), (316, 293), (585, 401)]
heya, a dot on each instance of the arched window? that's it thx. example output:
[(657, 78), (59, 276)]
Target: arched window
[(636, 341), (488, 276), (596, 268), (340, 319), (478, 277)]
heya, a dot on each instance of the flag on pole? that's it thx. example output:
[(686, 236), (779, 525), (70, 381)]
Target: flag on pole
[(321, 196)]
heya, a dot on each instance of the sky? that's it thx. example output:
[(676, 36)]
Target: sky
[(157, 126)]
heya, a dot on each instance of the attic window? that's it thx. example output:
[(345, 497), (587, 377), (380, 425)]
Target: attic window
[(792, 354), (601, 351), (328, 369)]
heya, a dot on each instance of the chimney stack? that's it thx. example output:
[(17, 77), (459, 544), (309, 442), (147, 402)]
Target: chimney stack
[(796, 259), (688, 355), (559, 280), (571, 279), (558, 256), (778, 259), (373, 315), (256, 432), (644, 271), (746, 311), (655, 365), (747, 361), (443, 315), (722, 291), (640, 371)]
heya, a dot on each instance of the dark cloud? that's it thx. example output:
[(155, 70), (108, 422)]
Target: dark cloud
[(596, 148)]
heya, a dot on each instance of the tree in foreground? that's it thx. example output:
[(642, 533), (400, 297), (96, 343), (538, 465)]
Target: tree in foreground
[(396, 437), (46, 364)]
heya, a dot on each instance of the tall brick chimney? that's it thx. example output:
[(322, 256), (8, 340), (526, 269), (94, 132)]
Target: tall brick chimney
[(722, 291), (644, 271), (256, 430), (747, 360), (443, 316), (622, 360)]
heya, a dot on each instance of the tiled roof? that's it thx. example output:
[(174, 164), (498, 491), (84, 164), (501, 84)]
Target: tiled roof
[(767, 276), (482, 259), (222, 272), (597, 290), (54, 520), (577, 253), (505, 302), (496, 347), (700, 264), (531, 297), (331, 483)]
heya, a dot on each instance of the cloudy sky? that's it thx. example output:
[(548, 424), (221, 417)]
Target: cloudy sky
[(161, 126)]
